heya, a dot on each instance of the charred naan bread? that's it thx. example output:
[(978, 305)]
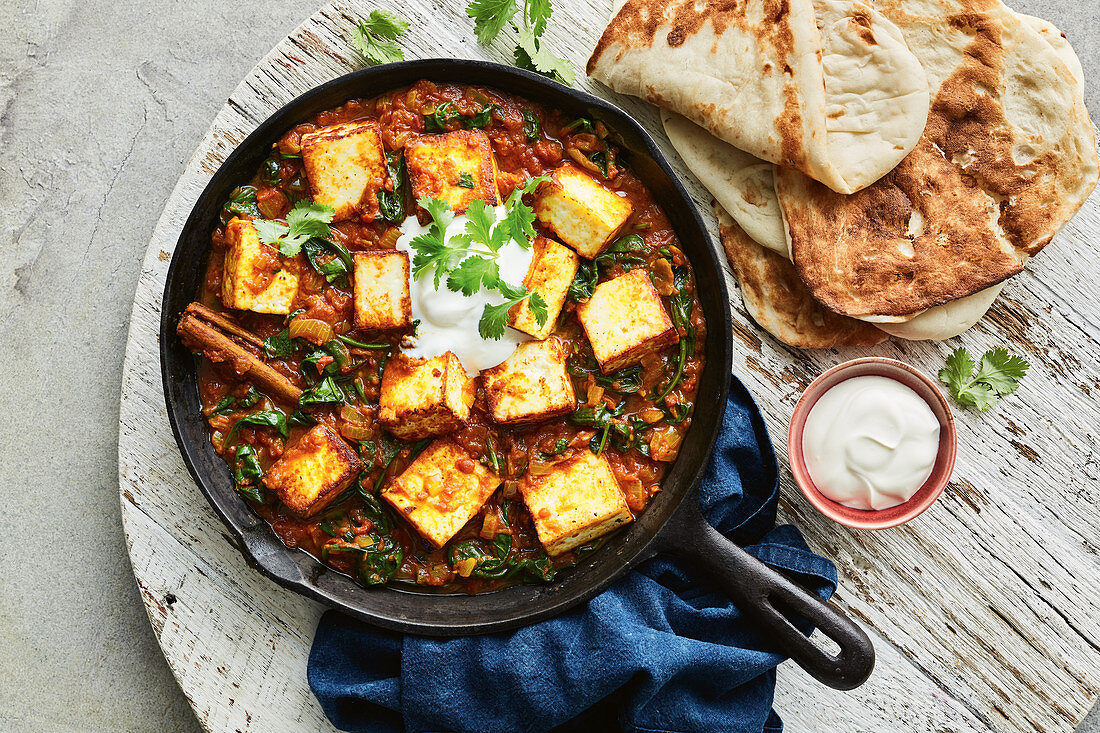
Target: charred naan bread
[(1007, 157), (749, 199), (778, 301), (827, 87)]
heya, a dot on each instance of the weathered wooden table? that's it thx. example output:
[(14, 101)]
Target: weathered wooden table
[(985, 611)]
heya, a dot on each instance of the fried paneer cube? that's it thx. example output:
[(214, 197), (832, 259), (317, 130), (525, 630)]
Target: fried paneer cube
[(576, 502), (531, 384), (424, 397), (552, 270), (382, 299), (456, 167), (583, 212), (441, 490), (346, 166), (313, 472), (255, 276), (625, 320)]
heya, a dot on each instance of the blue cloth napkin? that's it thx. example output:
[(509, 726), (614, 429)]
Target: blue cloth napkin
[(658, 651)]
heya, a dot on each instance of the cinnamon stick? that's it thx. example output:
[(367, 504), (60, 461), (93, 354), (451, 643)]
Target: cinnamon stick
[(224, 322), (218, 347)]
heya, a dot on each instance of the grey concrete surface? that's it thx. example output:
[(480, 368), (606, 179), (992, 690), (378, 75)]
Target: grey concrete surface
[(101, 103)]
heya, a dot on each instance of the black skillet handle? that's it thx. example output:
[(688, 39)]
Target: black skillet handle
[(758, 590)]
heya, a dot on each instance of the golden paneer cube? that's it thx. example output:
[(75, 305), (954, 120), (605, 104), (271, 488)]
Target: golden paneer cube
[(255, 276), (531, 384), (625, 320), (552, 270), (313, 471), (583, 212), (576, 502), (424, 397), (441, 490), (382, 299), (346, 166), (456, 167)]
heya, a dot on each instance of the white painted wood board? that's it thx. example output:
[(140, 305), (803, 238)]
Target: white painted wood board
[(985, 611)]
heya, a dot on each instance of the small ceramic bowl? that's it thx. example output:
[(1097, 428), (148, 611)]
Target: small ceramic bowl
[(945, 457)]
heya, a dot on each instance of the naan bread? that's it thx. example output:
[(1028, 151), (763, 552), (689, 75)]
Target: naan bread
[(824, 86), (1007, 157), (749, 199), (778, 301), (740, 182)]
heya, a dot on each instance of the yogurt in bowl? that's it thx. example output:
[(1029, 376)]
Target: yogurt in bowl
[(872, 443)]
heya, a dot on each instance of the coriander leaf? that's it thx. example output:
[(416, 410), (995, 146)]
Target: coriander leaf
[(538, 12), (956, 373), (490, 17), (473, 274), (519, 221), (511, 292), (1001, 371), (433, 252), (493, 320), (532, 128), (374, 37), (531, 54), (307, 219), (538, 307), (480, 218), (465, 180)]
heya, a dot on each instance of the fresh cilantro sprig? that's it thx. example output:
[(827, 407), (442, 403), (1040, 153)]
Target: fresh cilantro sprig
[(468, 260), (998, 374), (307, 219), (529, 20), (495, 317), (375, 39)]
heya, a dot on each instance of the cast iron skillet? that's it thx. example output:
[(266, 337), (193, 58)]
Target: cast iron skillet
[(672, 523)]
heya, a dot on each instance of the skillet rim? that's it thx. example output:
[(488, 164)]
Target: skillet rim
[(516, 605)]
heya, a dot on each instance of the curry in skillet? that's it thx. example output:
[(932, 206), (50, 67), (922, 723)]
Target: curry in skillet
[(449, 339)]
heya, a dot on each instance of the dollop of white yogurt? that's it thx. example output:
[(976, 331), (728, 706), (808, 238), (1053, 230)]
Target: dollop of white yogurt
[(449, 320), (870, 442)]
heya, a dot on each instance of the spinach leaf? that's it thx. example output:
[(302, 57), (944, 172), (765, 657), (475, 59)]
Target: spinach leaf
[(251, 397), (324, 392), (438, 120), (680, 307), (600, 158), (581, 124), (301, 419), (335, 269), (482, 118), (242, 202), (677, 413), (261, 419), (226, 405), (279, 346), (559, 447), (380, 561), (532, 128), (362, 345), (584, 283), (269, 173), (624, 251), (391, 204), (247, 473), (624, 381)]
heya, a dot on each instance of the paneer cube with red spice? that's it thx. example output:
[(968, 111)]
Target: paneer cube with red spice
[(581, 211), (425, 397), (625, 320), (530, 385), (255, 276), (346, 167), (577, 501), (313, 472), (382, 300), (441, 490), (456, 167), (552, 270)]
